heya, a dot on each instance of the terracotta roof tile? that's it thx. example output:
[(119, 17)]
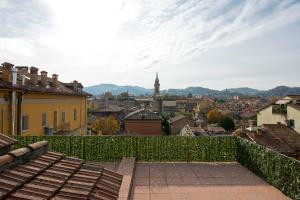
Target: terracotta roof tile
[(54, 176), (143, 114), (177, 118), (6, 141)]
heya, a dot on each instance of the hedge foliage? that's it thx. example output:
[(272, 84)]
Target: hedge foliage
[(278, 170), (144, 148)]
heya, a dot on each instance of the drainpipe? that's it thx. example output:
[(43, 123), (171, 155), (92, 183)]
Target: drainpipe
[(20, 112), (13, 100)]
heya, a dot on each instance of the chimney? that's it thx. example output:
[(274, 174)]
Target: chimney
[(54, 80), (23, 72), (6, 71), (14, 73), (75, 86), (44, 78), (33, 75)]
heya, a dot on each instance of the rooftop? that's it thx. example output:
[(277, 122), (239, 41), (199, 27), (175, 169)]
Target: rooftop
[(190, 181), (34, 173), (274, 136), (177, 118), (143, 114), (25, 82)]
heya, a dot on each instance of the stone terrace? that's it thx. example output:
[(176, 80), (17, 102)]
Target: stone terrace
[(203, 181)]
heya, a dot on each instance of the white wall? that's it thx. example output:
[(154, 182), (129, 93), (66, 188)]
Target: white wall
[(294, 114)]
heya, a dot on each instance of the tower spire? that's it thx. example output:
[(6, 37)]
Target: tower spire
[(156, 85)]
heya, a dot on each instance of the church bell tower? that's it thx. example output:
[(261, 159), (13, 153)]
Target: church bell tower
[(156, 86)]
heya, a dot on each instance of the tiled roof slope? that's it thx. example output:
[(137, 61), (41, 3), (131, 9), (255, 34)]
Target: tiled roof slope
[(33, 173), (5, 144), (274, 136), (177, 118), (61, 88), (6, 141), (143, 114)]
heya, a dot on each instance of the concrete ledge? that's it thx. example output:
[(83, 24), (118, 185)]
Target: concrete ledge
[(126, 168)]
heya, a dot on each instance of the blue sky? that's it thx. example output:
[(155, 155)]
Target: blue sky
[(217, 44)]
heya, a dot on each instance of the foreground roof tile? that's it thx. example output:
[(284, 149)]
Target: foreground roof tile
[(30, 173)]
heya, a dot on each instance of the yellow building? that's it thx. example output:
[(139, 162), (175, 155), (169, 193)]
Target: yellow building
[(33, 104), (284, 111)]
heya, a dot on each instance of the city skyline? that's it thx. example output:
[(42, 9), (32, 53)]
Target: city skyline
[(217, 45)]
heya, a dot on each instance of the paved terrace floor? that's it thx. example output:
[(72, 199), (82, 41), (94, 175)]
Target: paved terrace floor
[(201, 181)]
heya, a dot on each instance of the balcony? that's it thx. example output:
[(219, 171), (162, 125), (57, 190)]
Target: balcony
[(188, 167), (279, 109)]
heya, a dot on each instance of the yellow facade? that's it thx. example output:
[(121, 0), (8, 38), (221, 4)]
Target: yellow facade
[(4, 113), (35, 105)]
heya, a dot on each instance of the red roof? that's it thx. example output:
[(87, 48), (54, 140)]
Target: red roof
[(6, 141), (33, 173), (274, 136)]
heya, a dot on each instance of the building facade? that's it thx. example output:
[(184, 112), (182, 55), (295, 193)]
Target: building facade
[(33, 104), (285, 111), (178, 123), (143, 122)]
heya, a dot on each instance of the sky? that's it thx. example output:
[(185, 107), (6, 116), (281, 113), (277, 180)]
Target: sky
[(209, 43)]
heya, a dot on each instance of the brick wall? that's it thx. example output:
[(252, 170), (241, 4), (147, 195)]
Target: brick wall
[(143, 127)]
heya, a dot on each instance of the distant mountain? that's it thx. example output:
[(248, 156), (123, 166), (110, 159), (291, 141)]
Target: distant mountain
[(191, 90), (136, 90), (115, 89), (280, 91), (243, 90)]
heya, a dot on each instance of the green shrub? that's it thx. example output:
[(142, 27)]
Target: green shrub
[(144, 148), (278, 170)]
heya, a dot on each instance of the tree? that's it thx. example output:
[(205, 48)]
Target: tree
[(214, 116), (190, 95), (106, 126), (166, 127), (227, 123)]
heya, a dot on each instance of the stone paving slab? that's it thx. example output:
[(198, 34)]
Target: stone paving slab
[(205, 181)]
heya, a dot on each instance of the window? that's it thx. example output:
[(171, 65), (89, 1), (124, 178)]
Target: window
[(63, 117), (25, 122), (75, 114), (292, 123), (44, 120)]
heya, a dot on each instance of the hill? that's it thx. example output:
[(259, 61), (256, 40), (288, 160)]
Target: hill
[(136, 90)]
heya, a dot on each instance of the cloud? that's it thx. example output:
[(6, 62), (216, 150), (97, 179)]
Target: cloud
[(181, 30), (20, 18), (133, 37)]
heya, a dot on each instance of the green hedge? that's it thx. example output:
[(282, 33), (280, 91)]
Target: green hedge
[(278, 170), (144, 148)]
